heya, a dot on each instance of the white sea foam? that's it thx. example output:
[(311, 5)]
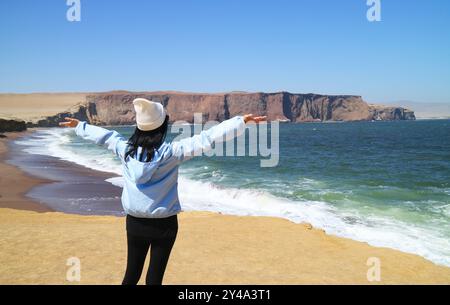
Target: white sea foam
[(117, 181), (202, 196), (53, 142)]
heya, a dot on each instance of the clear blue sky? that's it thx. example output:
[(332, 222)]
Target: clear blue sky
[(320, 46)]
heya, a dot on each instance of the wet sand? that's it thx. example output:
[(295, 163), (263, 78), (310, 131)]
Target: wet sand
[(36, 242), (72, 188), (15, 183)]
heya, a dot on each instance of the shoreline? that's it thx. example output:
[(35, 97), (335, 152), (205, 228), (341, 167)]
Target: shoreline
[(72, 188), (209, 247), (15, 184)]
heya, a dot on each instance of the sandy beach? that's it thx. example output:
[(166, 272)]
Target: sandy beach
[(211, 248)]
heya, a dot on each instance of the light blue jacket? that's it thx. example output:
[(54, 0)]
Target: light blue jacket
[(150, 189)]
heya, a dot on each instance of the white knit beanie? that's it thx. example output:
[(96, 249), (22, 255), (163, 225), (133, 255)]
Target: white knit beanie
[(149, 115)]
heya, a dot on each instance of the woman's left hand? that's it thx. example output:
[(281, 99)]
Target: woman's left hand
[(71, 122)]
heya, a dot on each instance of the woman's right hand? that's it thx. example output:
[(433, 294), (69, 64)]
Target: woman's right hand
[(71, 122), (252, 118)]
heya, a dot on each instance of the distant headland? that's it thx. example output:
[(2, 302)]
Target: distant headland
[(115, 107)]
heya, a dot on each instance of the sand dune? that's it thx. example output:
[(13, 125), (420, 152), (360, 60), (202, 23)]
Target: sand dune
[(33, 106)]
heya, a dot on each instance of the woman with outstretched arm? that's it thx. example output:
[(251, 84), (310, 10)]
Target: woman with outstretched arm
[(150, 170)]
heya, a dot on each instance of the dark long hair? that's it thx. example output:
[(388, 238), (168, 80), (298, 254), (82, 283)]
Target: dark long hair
[(148, 140)]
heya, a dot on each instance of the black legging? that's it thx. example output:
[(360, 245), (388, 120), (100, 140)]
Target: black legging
[(137, 251)]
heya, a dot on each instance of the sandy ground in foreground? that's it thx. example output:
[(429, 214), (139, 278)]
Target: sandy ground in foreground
[(210, 248)]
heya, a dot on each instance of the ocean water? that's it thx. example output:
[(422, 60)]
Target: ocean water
[(385, 183)]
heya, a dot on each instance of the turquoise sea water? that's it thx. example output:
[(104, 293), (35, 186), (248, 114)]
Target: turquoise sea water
[(386, 183)]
